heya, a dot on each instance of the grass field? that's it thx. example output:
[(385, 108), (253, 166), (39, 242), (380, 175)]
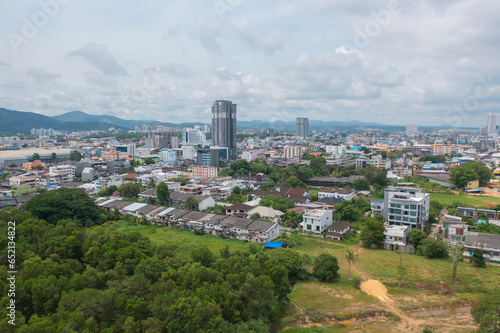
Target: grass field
[(469, 200), (159, 235)]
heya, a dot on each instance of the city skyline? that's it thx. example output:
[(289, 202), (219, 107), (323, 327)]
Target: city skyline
[(422, 63)]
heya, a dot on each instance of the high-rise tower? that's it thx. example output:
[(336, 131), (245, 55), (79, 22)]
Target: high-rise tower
[(224, 124), (302, 127)]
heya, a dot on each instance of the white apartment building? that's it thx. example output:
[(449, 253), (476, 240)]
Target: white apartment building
[(292, 151), (168, 156), (336, 151), (66, 172), (317, 220), (406, 206), (248, 156)]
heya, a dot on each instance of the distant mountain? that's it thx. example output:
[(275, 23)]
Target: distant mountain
[(80, 116), (22, 122)]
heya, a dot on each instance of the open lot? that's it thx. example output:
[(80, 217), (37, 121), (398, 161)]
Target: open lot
[(469, 200)]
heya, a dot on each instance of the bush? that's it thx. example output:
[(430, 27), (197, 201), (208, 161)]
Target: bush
[(432, 248)]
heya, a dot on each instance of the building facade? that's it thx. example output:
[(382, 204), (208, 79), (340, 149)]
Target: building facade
[(302, 127), (224, 124), (317, 220), (406, 207)]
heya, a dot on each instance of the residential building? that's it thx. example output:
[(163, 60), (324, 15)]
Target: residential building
[(224, 124), (33, 165), (338, 230), (66, 172), (89, 174), (194, 136), (208, 157), (491, 127), (168, 156), (248, 156), (240, 210), (156, 140), (396, 235), (488, 243), (377, 206), (292, 151), (345, 194), (336, 151), (302, 127), (440, 149), (204, 171), (406, 206), (411, 129), (317, 220)]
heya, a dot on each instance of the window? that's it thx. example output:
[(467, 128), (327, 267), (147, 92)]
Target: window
[(308, 227), (405, 219), (407, 206), (413, 207), (317, 228), (413, 213)]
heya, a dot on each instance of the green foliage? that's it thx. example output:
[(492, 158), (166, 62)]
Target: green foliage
[(276, 202), (486, 312), (432, 248), (416, 237), (237, 190), (53, 158), (488, 228), (477, 258), (361, 184), (291, 219), (64, 203), (36, 157), (106, 192), (433, 159), (75, 156), (163, 193), (372, 233), (468, 171), (326, 267), (180, 180), (255, 216), (191, 204), (236, 198), (318, 166), (99, 280), (294, 182), (149, 161), (130, 190)]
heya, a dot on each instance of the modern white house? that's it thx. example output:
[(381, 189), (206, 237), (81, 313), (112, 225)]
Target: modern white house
[(396, 235), (317, 220), (406, 206)]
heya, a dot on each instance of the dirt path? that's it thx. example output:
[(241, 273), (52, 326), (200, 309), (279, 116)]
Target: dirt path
[(408, 324)]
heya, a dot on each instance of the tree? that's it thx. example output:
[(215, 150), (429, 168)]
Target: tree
[(416, 236), (455, 251), (326, 267), (432, 248), (163, 193), (291, 219), (64, 203), (191, 204), (318, 166), (130, 190), (351, 259), (75, 156), (468, 171), (276, 202), (486, 312), (149, 161), (255, 216), (151, 183), (477, 258), (36, 157), (106, 192), (53, 158), (237, 190), (361, 184), (372, 232), (294, 182)]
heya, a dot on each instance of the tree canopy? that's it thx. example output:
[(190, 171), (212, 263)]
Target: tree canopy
[(372, 232), (326, 267), (63, 203), (162, 192), (468, 171)]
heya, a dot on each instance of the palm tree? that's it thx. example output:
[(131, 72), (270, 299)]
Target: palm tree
[(351, 259), (152, 183)]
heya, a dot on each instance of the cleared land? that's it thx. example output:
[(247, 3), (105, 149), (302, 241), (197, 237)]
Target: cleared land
[(469, 200)]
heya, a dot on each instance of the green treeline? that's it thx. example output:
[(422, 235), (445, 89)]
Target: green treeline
[(76, 279)]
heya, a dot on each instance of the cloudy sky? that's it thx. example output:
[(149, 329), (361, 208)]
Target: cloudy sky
[(394, 62)]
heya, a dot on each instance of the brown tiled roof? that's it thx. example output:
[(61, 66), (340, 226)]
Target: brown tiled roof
[(240, 207), (345, 191), (296, 191)]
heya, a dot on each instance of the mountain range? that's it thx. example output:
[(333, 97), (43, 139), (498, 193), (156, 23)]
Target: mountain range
[(12, 122)]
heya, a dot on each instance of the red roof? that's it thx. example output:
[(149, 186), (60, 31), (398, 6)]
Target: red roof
[(345, 191), (328, 190), (131, 176), (296, 191)]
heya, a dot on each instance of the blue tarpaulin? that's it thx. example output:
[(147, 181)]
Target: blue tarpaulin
[(274, 245)]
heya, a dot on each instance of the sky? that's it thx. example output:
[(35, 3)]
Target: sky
[(393, 62)]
